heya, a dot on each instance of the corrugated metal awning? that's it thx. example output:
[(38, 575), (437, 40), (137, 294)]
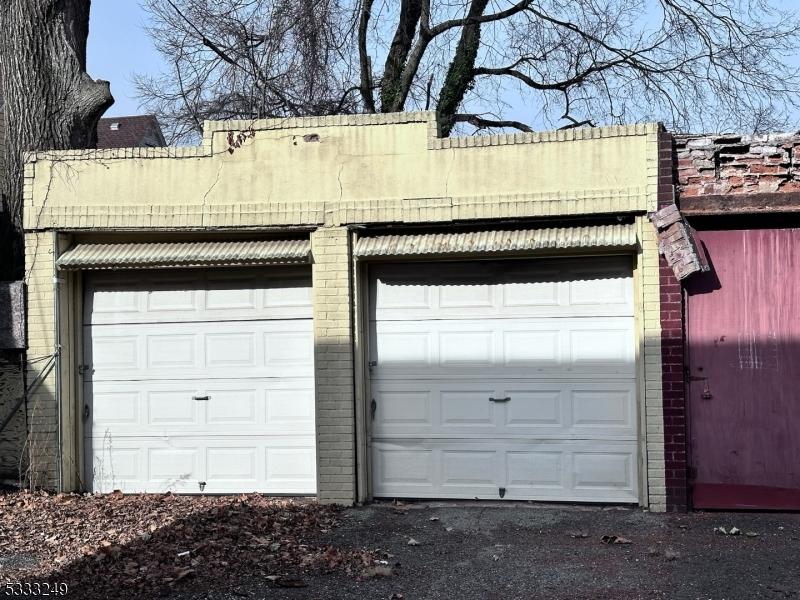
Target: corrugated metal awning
[(594, 236), (185, 254)]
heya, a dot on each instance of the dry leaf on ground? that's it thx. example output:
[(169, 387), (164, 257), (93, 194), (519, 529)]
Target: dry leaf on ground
[(120, 545)]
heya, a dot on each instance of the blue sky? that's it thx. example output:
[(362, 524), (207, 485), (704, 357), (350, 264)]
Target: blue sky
[(119, 47)]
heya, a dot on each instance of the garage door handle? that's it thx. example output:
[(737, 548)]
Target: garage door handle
[(506, 399), (200, 398)]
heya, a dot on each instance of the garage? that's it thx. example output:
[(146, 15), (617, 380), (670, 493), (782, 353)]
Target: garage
[(199, 380), (742, 333), (507, 321), (509, 379)]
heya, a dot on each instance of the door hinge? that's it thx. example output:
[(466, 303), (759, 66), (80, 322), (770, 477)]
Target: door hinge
[(85, 369), (373, 406)]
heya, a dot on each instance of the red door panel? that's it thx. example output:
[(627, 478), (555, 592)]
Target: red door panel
[(743, 322)]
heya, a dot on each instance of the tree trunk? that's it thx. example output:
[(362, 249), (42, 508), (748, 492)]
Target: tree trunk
[(364, 60), (50, 103), (393, 96), (461, 74)]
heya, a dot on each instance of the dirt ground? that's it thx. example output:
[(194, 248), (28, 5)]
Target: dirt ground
[(552, 552), (254, 547)]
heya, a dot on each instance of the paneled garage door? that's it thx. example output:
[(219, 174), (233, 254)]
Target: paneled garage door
[(511, 379), (199, 381)]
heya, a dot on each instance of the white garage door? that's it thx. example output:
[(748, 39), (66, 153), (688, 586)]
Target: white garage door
[(199, 381), (511, 379)]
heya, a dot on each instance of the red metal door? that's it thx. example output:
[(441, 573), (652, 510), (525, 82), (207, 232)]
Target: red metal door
[(744, 370)]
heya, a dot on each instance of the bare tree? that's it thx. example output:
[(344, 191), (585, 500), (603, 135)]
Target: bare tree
[(49, 102), (479, 63)]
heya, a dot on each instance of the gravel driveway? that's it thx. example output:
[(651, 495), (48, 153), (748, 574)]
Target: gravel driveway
[(491, 551)]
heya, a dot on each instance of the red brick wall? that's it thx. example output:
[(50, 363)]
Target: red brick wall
[(672, 350), (737, 164)]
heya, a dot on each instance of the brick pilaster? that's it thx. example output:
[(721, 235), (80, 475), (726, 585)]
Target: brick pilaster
[(333, 365), (672, 351)]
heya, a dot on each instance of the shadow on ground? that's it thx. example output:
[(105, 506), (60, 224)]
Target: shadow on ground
[(236, 549), (550, 552)]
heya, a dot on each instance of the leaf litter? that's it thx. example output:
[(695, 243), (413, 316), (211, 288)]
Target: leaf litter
[(124, 546)]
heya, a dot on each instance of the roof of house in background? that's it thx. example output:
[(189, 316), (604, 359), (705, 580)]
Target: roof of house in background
[(129, 132)]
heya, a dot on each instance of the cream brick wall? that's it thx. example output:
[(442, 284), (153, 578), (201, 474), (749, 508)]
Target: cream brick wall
[(333, 365), (651, 324), (360, 169), (42, 443), (325, 174)]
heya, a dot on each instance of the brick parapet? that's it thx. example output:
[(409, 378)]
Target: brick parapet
[(715, 164), (210, 128)]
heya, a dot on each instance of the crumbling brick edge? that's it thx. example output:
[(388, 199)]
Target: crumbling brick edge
[(676, 242)]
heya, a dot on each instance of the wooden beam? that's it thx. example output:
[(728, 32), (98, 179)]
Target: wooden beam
[(739, 204)]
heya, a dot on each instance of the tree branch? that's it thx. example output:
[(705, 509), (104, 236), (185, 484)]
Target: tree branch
[(347, 92), (364, 59), (461, 72), (428, 92), (477, 19), (558, 85), (393, 91), (255, 73), (484, 123)]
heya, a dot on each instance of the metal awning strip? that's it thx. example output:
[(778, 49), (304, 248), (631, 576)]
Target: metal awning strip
[(185, 254), (593, 236)]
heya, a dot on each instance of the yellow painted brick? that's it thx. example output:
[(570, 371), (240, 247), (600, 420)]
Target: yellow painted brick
[(427, 179)]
